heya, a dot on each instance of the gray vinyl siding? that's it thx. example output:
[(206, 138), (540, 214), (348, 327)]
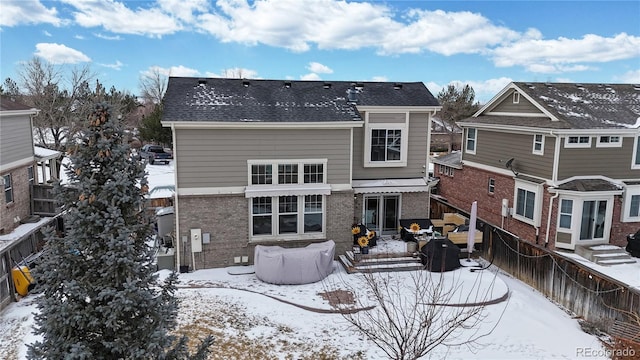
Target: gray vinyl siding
[(16, 140), (523, 106), (218, 157), (613, 162), (416, 153), (495, 148)]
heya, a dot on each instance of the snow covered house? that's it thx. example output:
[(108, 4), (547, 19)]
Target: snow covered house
[(553, 163), (289, 163), (27, 203)]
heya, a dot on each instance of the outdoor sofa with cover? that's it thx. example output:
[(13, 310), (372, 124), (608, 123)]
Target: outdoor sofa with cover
[(278, 265)]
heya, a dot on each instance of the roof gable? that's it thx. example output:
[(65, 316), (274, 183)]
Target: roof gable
[(242, 100), (567, 106)]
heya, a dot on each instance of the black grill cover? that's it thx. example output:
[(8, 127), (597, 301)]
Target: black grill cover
[(439, 255)]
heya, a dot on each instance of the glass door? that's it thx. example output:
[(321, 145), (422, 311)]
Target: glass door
[(593, 219), (381, 213)]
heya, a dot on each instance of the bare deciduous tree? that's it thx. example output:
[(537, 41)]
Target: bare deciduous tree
[(415, 312), (153, 86), (62, 106)]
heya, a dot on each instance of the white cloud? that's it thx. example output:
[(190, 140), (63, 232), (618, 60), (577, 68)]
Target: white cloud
[(310, 76), (564, 54), (117, 18), (60, 54), (319, 68), (116, 66), (184, 9), (28, 12), (79, 37), (46, 33), (630, 77), (179, 70), (107, 37)]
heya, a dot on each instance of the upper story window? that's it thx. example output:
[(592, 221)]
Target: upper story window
[(631, 204), (288, 172), (386, 144), (492, 185), (527, 202), (636, 154), (577, 141), (261, 174), (386, 140), (470, 143), (538, 144), (516, 97), (609, 141), (8, 189)]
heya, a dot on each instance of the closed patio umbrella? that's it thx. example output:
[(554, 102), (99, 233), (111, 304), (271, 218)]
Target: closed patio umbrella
[(471, 236)]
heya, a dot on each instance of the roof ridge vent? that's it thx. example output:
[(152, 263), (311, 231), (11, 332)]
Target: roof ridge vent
[(246, 83), (287, 84), (202, 81), (327, 85), (397, 86)]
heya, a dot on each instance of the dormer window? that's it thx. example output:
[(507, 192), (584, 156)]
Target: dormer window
[(386, 141), (538, 144)]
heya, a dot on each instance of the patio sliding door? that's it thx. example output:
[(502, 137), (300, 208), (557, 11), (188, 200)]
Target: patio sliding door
[(593, 219), (381, 213)]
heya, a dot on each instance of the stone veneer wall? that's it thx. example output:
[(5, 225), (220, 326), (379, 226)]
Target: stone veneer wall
[(226, 219)]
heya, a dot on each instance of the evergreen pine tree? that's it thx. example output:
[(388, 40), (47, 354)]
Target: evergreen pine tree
[(100, 296)]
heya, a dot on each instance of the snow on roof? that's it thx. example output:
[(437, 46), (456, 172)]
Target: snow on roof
[(45, 154)]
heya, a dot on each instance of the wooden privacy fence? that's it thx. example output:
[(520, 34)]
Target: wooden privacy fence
[(597, 298)]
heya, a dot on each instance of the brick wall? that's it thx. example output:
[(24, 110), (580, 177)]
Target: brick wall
[(21, 205), (475, 187), (226, 219)]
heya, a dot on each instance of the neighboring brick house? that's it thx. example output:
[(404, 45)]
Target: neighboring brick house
[(288, 163), (563, 158), (23, 170)]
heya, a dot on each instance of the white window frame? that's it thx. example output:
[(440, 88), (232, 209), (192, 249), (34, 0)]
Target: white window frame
[(536, 189), (474, 139), (567, 214), (491, 185), (404, 143), (516, 97), (539, 143), (635, 162), (8, 189), (609, 143), (629, 193), (275, 214), (275, 168), (579, 144)]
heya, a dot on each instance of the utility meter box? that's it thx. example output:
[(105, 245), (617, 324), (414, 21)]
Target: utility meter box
[(196, 240)]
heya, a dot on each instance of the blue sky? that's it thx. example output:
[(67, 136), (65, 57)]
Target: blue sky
[(485, 44)]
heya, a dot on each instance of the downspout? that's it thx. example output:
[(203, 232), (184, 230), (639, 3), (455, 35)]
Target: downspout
[(546, 239), (176, 197)]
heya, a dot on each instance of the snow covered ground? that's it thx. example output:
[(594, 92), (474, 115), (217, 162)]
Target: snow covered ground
[(279, 321), (252, 319)]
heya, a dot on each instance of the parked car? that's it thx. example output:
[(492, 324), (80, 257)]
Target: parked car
[(154, 154)]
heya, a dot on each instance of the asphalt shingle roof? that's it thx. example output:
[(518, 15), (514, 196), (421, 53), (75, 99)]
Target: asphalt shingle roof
[(577, 106), (242, 100), (589, 185), (9, 104)]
